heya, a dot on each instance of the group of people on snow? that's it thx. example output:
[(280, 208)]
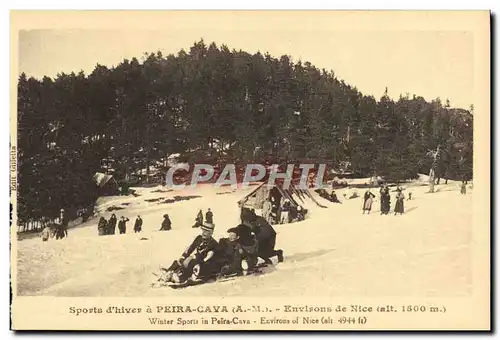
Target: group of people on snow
[(236, 254), (209, 218), (56, 230), (385, 201), (108, 227), (283, 212)]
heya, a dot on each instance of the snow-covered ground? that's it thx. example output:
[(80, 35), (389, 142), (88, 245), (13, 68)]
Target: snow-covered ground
[(337, 251)]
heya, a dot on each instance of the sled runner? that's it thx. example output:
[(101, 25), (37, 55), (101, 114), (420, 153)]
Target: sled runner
[(224, 278), (187, 283), (160, 282)]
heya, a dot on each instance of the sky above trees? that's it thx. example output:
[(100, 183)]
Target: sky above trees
[(430, 64)]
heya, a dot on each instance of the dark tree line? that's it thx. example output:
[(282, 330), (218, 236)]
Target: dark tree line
[(219, 105)]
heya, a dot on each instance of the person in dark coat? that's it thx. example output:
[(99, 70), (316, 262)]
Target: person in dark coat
[(209, 216), (265, 235), (101, 226), (138, 224), (382, 198), (166, 224), (111, 225), (385, 200), (122, 225), (198, 260), (248, 243), (199, 220), (61, 231), (62, 227), (230, 254), (368, 201)]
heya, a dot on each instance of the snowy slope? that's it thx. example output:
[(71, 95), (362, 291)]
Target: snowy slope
[(336, 252)]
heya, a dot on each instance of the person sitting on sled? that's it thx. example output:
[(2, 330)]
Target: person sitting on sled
[(334, 198), (239, 250), (231, 254), (198, 261)]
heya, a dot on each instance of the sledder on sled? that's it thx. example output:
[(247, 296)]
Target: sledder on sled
[(238, 252), (198, 262), (208, 260)]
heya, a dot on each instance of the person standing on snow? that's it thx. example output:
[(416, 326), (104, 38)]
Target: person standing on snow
[(285, 210), (209, 217), (368, 201), (382, 199), (111, 225), (400, 199), (122, 225), (385, 200), (101, 226), (463, 188), (138, 224), (199, 220)]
